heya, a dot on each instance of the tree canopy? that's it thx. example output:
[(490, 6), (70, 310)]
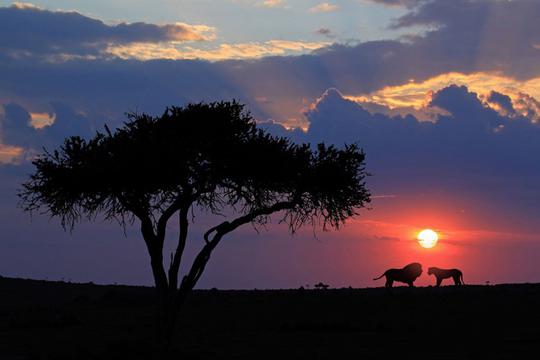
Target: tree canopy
[(212, 155), (209, 156)]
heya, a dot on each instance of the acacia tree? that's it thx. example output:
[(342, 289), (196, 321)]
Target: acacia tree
[(203, 156)]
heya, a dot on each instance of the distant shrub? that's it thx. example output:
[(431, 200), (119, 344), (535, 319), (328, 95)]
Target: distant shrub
[(321, 286)]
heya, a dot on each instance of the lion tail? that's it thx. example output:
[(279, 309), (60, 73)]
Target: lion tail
[(462, 281), (380, 276)]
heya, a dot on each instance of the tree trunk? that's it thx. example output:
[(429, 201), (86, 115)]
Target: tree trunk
[(167, 315), (171, 297)]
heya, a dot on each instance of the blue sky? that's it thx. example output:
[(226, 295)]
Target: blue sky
[(443, 96), (247, 20)]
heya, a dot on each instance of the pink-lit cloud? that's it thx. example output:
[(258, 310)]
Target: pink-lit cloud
[(253, 50), (323, 8), (273, 3)]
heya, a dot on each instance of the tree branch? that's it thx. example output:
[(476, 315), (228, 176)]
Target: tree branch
[(177, 257), (215, 228), (282, 205), (190, 279), (164, 218), (155, 252)]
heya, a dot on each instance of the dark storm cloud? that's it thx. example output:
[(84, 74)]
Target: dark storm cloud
[(471, 155), (325, 32), (408, 3), (469, 36), (27, 31), (481, 35), (529, 105), (67, 123), (471, 141), (16, 128), (503, 101), (116, 86)]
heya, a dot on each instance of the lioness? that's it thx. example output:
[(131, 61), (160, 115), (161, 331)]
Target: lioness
[(406, 275), (442, 274)]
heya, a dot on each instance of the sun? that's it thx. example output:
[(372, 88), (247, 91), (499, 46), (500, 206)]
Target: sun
[(427, 238)]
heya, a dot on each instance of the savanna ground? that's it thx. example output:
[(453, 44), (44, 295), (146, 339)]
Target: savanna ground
[(57, 320)]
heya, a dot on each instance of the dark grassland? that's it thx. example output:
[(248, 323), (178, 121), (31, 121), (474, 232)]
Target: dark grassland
[(57, 320)]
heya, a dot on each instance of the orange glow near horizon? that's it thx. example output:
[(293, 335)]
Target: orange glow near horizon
[(427, 238)]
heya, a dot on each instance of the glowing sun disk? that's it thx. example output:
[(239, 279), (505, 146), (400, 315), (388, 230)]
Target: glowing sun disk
[(427, 238)]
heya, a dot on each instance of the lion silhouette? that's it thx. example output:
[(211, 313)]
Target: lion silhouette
[(442, 274), (406, 275)]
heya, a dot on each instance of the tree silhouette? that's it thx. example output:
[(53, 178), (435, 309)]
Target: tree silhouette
[(203, 156)]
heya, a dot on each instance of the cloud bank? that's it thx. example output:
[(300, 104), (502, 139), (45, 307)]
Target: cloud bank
[(31, 31), (468, 136), (126, 66), (474, 153)]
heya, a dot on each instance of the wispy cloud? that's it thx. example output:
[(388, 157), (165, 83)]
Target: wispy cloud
[(222, 52), (325, 32), (190, 32), (10, 154), (23, 5), (384, 196), (273, 3), (323, 8), (42, 119)]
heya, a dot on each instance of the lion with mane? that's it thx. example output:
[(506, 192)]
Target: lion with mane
[(407, 275)]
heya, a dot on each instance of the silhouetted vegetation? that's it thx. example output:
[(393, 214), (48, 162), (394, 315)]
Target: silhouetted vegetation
[(205, 156), (55, 320), (321, 286)]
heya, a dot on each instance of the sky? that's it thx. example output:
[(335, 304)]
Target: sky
[(443, 96)]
